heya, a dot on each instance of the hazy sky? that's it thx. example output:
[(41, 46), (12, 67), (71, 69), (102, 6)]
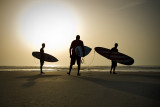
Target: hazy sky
[(25, 24)]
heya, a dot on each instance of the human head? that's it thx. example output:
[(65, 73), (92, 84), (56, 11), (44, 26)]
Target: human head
[(43, 45), (77, 37), (116, 45)]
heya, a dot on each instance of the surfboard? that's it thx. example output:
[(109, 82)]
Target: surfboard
[(115, 56), (47, 57), (79, 51)]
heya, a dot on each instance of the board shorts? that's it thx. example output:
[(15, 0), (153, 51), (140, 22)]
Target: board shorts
[(75, 58)]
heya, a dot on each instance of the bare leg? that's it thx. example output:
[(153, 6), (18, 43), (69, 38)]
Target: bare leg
[(79, 66), (70, 68), (114, 70), (111, 70), (41, 66)]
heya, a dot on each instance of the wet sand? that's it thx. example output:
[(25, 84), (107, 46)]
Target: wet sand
[(91, 89)]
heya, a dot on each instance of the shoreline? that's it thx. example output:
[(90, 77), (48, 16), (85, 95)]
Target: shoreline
[(83, 68), (75, 70)]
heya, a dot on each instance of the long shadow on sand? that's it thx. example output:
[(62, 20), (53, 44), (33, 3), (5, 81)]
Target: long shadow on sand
[(148, 90), (31, 80)]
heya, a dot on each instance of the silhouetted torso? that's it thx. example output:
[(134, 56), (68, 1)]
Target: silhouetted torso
[(114, 63), (74, 44), (42, 54)]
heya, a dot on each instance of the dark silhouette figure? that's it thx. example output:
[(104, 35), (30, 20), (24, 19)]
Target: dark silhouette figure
[(42, 57), (73, 55), (114, 63)]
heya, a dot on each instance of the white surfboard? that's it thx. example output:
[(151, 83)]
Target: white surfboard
[(79, 51)]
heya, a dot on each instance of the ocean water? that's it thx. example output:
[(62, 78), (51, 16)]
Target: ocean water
[(83, 68)]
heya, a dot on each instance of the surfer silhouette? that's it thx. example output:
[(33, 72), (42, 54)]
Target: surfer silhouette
[(42, 57), (73, 55), (114, 63)]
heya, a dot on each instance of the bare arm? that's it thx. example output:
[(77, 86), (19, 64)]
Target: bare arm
[(70, 51), (41, 54)]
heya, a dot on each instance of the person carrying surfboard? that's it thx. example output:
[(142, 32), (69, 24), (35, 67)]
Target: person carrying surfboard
[(73, 55), (42, 57), (114, 63)]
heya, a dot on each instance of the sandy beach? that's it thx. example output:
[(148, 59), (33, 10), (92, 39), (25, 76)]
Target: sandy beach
[(91, 89)]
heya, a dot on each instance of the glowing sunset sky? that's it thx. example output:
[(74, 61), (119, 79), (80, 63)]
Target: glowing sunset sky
[(25, 24)]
